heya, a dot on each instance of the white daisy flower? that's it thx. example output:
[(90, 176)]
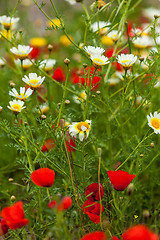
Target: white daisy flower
[(33, 80), (126, 60), (81, 128), (22, 51), (99, 60), (113, 81), (47, 64), (23, 95), (26, 63), (72, 2), (142, 42), (101, 25), (80, 99), (44, 108), (154, 122), (7, 22), (114, 35), (94, 50), (16, 106)]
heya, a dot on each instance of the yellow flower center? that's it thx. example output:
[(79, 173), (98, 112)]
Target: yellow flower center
[(82, 127), (21, 96), (155, 122), (124, 61), (33, 81), (16, 107), (98, 61)]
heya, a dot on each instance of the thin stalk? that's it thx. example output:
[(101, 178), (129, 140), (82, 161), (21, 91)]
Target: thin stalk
[(99, 187), (138, 145)]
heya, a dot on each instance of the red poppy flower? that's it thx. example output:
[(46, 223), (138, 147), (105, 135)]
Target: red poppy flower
[(94, 189), (83, 78), (139, 232), (71, 145), (92, 209), (95, 236), (115, 238), (34, 53), (59, 74), (52, 204), (14, 216), (65, 203), (120, 179), (49, 144), (3, 227), (43, 177)]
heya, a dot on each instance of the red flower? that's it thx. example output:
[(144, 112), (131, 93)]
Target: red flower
[(3, 227), (83, 78), (43, 177), (139, 232), (65, 203), (94, 189), (14, 216), (120, 179), (95, 236), (59, 74), (92, 209), (34, 53), (49, 144), (115, 238), (52, 204), (71, 145)]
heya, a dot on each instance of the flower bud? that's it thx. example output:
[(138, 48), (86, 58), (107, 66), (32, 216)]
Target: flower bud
[(67, 101), (10, 179), (152, 145), (67, 61), (1, 109), (130, 189), (43, 116), (12, 197), (146, 213), (50, 47), (99, 150)]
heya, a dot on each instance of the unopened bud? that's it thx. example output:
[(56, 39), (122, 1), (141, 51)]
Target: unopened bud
[(12, 197), (152, 145), (1, 109), (61, 122), (59, 104), (50, 47), (10, 179), (93, 95), (146, 213), (85, 65), (141, 59), (67, 101), (67, 61), (98, 92), (43, 116), (141, 155), (130, 189), (156, 16), (12, 84), (99, 150)]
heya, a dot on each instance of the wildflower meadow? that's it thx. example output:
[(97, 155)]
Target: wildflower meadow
[(79, 120)]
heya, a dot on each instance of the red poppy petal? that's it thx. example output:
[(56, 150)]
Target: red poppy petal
[(43, 177), (94, 217), (139, 232), (13, 213), (120, 179), (95, 236), (18, 224)]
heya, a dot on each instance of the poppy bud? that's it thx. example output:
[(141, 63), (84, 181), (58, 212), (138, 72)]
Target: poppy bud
[(146, 213), (65, 203)]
